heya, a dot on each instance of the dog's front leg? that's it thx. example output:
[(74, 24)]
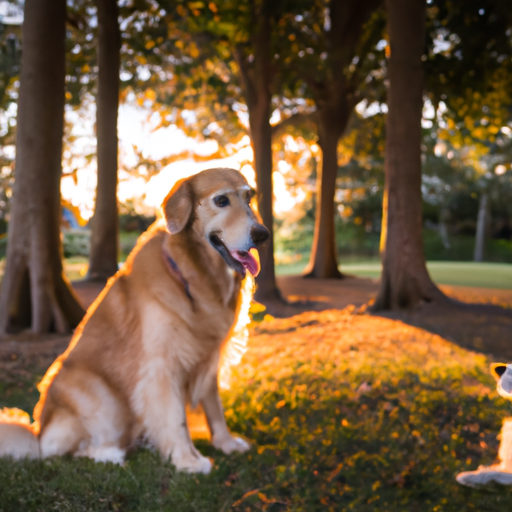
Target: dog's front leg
[(221, 437), (166, 425), (184, 454)]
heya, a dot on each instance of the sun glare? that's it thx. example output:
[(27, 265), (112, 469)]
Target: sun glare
[(138, 132)]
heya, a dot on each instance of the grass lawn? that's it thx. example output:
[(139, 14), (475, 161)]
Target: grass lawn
[(458, 273), (345, 412)]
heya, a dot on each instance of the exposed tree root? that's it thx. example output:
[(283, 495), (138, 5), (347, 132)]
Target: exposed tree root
[(407, 291), (322, 273), (42, 305)]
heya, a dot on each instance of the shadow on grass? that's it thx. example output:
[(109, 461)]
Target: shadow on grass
[(345, 412), (483, 328)]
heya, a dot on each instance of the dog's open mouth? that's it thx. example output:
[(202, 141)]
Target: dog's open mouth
[(240, 261)]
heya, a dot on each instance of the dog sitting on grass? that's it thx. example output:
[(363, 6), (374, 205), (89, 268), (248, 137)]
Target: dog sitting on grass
[(152, 341), (498, 473)]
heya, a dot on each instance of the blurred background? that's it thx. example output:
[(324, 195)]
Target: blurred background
[(182, 109)]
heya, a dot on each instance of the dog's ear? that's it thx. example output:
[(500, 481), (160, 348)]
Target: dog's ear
[(177, 206), (498, 369)]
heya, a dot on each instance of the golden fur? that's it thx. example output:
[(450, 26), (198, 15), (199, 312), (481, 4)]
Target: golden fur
[(147, 346)]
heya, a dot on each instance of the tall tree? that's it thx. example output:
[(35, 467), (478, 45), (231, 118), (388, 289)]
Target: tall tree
[(481, 225), (405, 281), (105, 222), (256, 35), (215, 35), (34, 290), (257, 76), (332, 41)]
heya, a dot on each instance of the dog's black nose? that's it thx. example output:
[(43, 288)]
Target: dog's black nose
[(259, 234)]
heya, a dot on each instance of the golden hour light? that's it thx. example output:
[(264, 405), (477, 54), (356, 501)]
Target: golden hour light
[(148, 194), (255, 256)]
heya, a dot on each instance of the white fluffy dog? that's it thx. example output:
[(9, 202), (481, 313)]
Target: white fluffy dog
[(498, 473)]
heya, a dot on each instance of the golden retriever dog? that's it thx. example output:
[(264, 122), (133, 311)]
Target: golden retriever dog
[(152, 340)]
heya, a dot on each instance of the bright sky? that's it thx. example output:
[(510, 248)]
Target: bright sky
[(136, 128)]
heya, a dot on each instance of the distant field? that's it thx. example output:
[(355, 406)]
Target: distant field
[(458, 273)]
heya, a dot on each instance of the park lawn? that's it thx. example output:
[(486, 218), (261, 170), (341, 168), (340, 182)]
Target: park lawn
[(76, 267), (485, 275), (346, 412), (456, 273)]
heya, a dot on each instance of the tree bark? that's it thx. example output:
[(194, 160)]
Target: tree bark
[(323, 261), (443, 229), (266, 290), (256, 82), (481, 227), (335, 99), (405, 281), (105, 222), (35, 292)]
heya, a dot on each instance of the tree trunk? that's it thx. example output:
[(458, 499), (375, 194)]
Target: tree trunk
[(443, 229), (335, 99), (323, 261), (105, 222), (35, 291), (257, 81), (261, 136), (405, 281), (481, 227)]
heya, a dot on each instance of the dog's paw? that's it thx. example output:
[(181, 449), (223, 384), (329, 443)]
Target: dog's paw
[(192, 463), (231, 444), (103, 454)]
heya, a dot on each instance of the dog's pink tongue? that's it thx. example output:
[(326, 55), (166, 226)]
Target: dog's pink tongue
[(250, 260)]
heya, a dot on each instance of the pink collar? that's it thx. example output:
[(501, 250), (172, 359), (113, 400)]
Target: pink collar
[(174, 270)]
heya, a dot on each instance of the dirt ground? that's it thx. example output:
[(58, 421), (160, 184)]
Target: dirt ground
[(482, 321), (478, 318)]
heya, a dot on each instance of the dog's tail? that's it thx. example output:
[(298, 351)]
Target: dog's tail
[(18, 437)]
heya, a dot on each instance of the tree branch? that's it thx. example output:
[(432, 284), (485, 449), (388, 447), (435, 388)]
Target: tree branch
[(295, 120), (364, 48)]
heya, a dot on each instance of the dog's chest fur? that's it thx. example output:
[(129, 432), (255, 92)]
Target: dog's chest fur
[(194, 319), (182, 337), (161, 336)]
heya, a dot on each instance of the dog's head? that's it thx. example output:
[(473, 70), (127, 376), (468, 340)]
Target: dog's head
[(503, 374), (216, 205)]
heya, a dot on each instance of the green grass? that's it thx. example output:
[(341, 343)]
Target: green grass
[(486, 275), (290, 269), (460, 273), (322, 441)]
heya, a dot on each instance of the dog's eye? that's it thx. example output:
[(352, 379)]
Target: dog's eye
[(221, 201), (250, 195)]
